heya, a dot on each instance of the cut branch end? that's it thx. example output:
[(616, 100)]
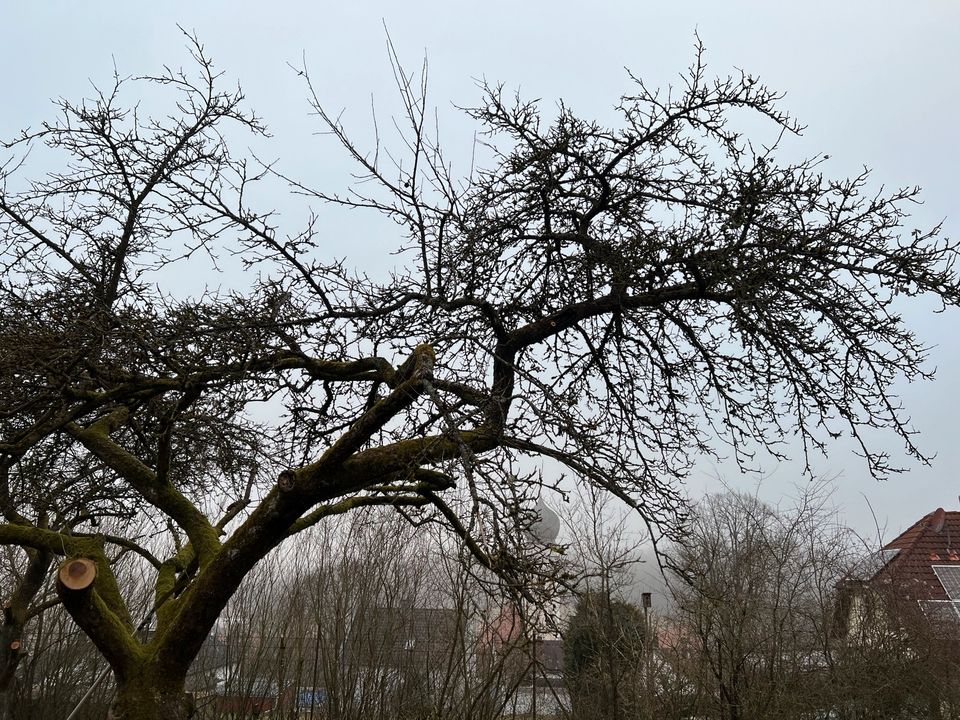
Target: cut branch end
[(77, 573)]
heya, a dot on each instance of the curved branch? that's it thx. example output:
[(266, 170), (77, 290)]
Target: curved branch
[(162, 495)]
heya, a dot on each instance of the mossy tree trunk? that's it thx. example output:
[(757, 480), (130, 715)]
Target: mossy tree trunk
[(18, 610), (148, 685), (152, 695)]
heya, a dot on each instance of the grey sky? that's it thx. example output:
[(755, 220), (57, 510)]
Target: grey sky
[(875, 82)]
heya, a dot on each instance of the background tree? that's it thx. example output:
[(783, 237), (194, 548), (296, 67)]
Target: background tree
[(366, 614), (764, 627), (757, 604), (606, 640), (888, 648), (25, 581), (56, 488), (605, 644), (620, 300)]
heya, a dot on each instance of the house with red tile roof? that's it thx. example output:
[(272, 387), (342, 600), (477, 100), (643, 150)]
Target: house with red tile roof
[(924, 563), (919, 569), (899, 621)]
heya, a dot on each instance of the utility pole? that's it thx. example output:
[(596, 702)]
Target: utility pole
[(280, 677), (646, 600), (316, 666), (536, 667)]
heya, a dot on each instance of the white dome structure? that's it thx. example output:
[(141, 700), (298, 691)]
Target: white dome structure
[(547, 527)]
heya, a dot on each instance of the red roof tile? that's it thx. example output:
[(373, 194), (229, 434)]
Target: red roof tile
[(933, 540)]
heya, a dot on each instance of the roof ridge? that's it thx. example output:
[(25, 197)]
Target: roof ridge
[(909, 537)]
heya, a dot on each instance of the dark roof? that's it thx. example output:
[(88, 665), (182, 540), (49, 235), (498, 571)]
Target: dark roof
[(921, 560), (400, 636), (550, 653)]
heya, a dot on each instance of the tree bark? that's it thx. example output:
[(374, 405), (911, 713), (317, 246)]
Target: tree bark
[(7, 693), (16, 613), (10, 656), (149, 697)]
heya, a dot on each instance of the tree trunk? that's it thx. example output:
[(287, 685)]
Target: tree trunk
[(148, 697), (17, 611), (10, 655), (7, 694)]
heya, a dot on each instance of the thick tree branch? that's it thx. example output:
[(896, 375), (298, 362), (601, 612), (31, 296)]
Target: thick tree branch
[(160, 494)]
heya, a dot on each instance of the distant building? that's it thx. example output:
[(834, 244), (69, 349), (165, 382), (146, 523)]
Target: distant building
[(917, 570), (392, 656), (409, 638), (530, 663)]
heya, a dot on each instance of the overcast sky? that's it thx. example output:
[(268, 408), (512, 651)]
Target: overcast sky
[(874, 82)]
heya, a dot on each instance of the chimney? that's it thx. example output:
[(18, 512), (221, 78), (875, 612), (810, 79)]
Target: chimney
[(938, 520)]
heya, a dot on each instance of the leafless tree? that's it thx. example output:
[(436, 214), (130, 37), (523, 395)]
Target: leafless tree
[(62, 665), (60, 489), (25, 577), (892, 655), (756, 604), (362, 618), (620, 300), (606, 638), (766, 627)]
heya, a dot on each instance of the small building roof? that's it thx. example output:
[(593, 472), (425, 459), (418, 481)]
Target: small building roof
[(924, 560)]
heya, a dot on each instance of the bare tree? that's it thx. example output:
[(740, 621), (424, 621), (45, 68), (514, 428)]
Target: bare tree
[(27, 578), (889, 645), (364, 617), (756, 604), (606, 639), (620, 300), (58, 488), (62, 665)]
